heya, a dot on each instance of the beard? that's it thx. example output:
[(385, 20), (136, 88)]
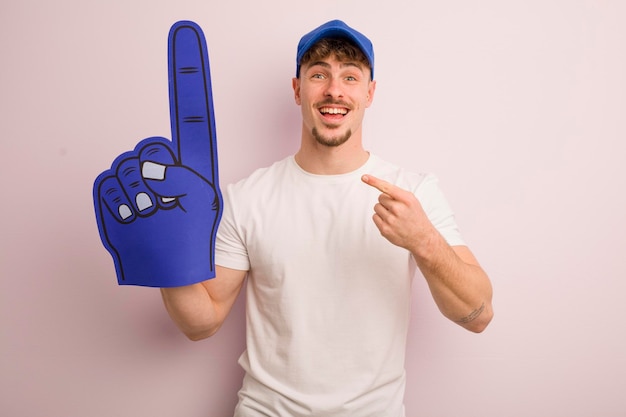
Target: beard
[(331, 141)]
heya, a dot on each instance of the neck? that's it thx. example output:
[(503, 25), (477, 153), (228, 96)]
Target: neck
[(320, 159)]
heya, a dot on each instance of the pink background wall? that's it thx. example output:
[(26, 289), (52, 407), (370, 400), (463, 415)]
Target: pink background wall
[(518, 106)]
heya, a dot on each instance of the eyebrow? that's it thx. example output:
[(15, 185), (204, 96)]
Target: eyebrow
[(342, 64)]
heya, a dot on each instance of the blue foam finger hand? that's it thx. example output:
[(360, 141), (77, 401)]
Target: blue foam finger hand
[(158, 207)]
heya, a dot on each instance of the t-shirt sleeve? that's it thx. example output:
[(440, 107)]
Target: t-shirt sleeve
[(438, 210), (230, 250)]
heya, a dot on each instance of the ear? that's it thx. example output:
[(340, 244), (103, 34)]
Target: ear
[(295, 83), (371, 89)]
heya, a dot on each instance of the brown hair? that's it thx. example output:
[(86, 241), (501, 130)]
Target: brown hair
[(343, 49)]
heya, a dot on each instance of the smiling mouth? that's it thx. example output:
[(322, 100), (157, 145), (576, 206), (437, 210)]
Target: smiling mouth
[(334, 110), (342, 111)]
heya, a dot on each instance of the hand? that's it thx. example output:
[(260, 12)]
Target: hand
[(159, 206), (399, 215)]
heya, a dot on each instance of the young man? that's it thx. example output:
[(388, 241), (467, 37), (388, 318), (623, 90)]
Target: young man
[(330, 239)]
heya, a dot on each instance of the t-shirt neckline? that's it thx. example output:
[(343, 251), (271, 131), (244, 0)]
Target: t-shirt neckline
[(363, 169)]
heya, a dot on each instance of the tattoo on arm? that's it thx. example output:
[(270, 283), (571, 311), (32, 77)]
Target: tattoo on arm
[(473, 315)]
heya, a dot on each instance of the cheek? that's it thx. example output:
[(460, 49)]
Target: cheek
[(306, 99)]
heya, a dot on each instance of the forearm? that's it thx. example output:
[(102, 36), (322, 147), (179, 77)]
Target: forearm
[(200, 309), (460, 287), (192, 309)]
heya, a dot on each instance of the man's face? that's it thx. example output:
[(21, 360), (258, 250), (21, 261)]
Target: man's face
[(333, 96)]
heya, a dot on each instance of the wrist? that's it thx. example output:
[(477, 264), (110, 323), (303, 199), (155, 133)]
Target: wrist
[(427, 246)]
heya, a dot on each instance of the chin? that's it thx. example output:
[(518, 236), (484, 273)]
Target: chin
[(331, 141)]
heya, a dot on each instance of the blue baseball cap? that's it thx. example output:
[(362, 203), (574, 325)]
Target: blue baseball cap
[(335, 29)]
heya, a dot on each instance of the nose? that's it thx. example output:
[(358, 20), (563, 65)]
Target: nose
[(334, 88)]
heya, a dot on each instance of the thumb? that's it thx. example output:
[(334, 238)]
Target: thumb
[(176, 182)]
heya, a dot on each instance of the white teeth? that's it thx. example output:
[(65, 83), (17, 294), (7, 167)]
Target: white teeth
[(333, 110)]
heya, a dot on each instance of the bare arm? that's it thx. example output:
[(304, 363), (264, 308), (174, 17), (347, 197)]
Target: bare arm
[(460, 287), (200, 309)]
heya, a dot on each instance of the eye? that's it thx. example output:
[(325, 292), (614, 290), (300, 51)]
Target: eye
[(318, 76), (351, 78)]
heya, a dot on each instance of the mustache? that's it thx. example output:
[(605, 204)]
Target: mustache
[(330, 103)]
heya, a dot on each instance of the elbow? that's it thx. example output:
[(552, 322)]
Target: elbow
[(197, 327), (480, 323), (478, 327), (196, 336), (198, 333)]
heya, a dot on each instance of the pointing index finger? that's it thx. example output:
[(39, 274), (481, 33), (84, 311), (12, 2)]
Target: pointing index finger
[(380, 185), (383, 186), (191, 100)]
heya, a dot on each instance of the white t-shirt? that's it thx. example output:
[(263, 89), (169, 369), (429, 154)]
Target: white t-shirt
[(328, 298)]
